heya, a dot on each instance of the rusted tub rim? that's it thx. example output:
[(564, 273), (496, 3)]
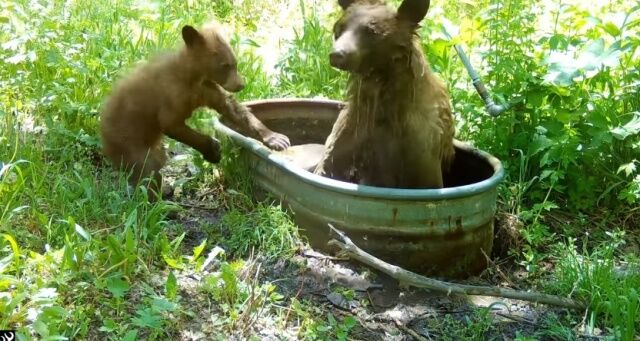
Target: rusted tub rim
[(361, 190)]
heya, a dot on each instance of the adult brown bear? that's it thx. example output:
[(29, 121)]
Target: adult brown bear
[(396, 129)]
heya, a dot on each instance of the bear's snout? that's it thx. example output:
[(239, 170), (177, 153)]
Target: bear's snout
[(338, 59)]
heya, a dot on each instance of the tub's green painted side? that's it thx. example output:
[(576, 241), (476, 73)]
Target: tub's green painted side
[(442, 232)]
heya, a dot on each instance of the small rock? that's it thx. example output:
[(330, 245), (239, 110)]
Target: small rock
[(338, 300)]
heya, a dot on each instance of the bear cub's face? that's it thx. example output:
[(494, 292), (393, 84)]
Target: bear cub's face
[(370, 35), (213, 56)]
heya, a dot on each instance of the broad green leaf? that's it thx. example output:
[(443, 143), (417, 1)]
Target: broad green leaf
[(331, 319), (538, 144), (177, 241), (115, 246), (171, 286), (197, 251), (174, 263), (117, 287), (16, 301), (438, 47), (69, 256), (611, 28), (108, 326), (82, 232), (349, 321), (563, 68), (54, 312), (130, 335), (147, 318), (323, 328), (130, 244), (558, 41), (160, 304), (14, 248), (595, 55), (469, 31), (41, 328), (131, 219), (536, 98)]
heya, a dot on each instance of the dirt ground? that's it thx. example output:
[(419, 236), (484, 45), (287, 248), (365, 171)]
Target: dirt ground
[(383, 309)]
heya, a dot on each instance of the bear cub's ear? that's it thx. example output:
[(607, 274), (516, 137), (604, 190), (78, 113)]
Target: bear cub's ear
[(413, 11), (346, 3), (191, 36)]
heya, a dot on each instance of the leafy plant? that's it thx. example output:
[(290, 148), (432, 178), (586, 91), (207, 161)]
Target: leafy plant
[(305, 70), (473, 327), (241, 298), (570, 101), (333, 328)]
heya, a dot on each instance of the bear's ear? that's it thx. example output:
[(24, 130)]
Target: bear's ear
[(413, 11), (191, 36), (345, 3)]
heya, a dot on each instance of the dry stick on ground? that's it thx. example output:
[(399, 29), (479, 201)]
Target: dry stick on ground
[(497, 267), (409, 331), (413, 279)]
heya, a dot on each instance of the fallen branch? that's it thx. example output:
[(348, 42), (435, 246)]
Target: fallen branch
[(317, 255), (418, 281), (515, 318)]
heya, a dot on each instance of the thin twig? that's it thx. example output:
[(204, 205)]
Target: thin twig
[(200, 207), (515, 318), (409, 331), (413, 279), (286, 317), (323, 257), (111, 268), (497, 267)]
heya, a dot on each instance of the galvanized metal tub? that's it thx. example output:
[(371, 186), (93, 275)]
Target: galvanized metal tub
[(441, 232)]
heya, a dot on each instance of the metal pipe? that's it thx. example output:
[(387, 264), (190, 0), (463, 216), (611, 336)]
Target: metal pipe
[(492, 108)]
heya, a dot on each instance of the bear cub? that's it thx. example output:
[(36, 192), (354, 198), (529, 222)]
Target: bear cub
[(157, 98)]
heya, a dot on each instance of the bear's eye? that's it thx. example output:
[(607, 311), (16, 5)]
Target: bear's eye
[(371, 28)]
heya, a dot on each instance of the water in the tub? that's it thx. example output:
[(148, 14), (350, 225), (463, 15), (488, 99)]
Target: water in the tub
[(305, 156)]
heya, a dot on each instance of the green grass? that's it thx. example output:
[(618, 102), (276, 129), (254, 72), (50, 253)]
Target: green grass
[(304, 68), (472, 327), (266, 228), (80, 258), (593, 276)]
